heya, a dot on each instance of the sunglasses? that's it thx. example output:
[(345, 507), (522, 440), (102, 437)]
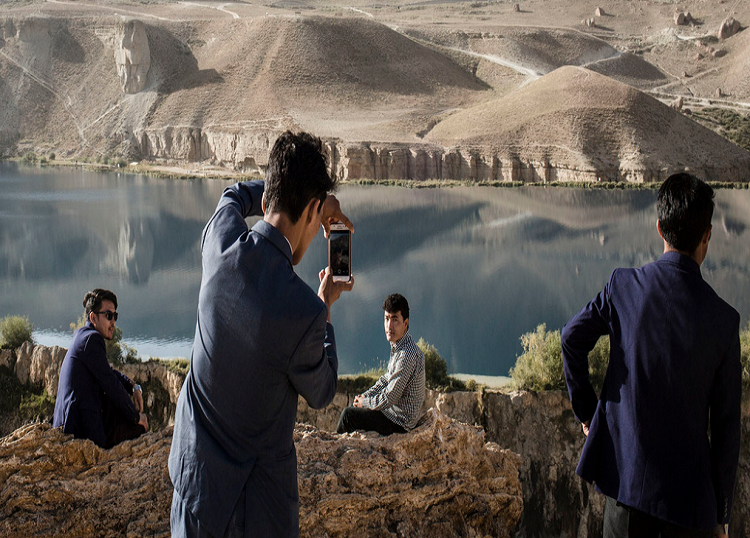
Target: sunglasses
[(109, 314)]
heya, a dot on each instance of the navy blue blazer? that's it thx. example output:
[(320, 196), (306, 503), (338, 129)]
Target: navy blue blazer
[(674, 360), (85, 379), (261, 340)]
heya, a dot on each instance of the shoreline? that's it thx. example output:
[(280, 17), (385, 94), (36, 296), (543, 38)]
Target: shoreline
[(181, 172)]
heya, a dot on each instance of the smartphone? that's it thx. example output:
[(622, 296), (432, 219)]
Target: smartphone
[(340, 252)]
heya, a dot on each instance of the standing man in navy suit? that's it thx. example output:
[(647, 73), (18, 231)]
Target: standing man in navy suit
[(674, 375), (93, 399), (263, 337)]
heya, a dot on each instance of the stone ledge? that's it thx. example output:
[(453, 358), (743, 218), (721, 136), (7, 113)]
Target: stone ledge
[(441, 480)]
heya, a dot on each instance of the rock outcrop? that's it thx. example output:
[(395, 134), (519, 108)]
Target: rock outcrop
[(132, 55), (442, 480), (728, 28), (682, 18), (540, 427)]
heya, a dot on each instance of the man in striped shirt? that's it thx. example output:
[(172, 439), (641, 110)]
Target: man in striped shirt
[(394, 403)]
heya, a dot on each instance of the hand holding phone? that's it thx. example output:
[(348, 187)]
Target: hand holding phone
[(339, 252)]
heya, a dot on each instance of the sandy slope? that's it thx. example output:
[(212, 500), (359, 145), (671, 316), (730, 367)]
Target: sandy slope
[(466, 73), (587, 120)]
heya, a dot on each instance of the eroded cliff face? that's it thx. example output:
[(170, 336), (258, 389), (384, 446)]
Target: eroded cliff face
[(218, 93), (248, 152), (442, 480)]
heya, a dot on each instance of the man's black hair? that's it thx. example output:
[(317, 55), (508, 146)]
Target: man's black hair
[(685, 205), (395, 303), (93, 299), (296, 173)]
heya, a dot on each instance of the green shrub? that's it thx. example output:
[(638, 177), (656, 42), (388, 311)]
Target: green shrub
[(435, 367), (52, 156), (118, 353), (14, 331), (121, 163), (29, 158), (598, 362), (436, 370), (745, 356), (540, 366)]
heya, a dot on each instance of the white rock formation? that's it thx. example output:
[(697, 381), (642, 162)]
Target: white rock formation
[(132, 55)]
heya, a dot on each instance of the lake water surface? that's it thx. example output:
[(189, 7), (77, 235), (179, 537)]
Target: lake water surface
[(480, 266)]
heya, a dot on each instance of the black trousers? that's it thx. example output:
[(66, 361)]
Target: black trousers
[(357, 418), (117, 428), (621, 521)]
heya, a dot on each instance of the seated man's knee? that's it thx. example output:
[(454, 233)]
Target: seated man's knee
[(343, 419)]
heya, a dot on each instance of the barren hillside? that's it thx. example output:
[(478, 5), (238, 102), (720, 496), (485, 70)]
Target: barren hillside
[(590, 121), (441, 90)]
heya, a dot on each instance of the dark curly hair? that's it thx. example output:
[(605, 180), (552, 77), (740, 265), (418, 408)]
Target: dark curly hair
[(396, 302), (297, 172)]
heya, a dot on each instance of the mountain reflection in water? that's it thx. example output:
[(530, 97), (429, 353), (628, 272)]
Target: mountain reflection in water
[(480, 266)]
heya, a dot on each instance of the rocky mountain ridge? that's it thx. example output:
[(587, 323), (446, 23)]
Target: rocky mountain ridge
[(389, 103)]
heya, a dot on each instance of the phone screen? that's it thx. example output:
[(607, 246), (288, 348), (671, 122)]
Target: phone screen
[(339, 255)]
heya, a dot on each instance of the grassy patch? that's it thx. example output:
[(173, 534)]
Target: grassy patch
[(178, 366), (731, 125), (356, 384), (21, 404)]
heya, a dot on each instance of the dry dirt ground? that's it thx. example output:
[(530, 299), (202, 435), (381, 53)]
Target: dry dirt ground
[(447, 73)]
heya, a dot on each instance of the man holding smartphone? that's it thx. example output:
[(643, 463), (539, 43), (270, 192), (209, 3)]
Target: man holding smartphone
[(263, 338), (394, 403)]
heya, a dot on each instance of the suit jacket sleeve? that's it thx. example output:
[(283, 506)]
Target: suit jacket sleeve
[(314, 366), (127, 383), (725, 427), (578, 338), (95, 352), (237, 202)]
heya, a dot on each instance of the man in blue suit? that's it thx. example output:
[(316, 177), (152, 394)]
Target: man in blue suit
[(674, 374), (263, 337), (93, 399)]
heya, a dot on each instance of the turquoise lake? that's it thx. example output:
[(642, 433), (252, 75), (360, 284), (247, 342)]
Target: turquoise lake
[(480, 266)]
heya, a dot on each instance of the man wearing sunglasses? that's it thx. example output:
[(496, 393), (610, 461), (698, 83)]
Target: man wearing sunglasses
[(93, 399)]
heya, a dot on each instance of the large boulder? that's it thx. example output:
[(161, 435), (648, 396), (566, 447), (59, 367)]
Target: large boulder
[(440, 480), (39, 365), (132, 55), (728, 28)]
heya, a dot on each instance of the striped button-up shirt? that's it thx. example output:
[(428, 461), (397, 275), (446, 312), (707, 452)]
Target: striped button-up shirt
[(399, 393)]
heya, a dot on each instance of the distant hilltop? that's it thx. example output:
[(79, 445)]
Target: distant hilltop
[(177, 83)]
